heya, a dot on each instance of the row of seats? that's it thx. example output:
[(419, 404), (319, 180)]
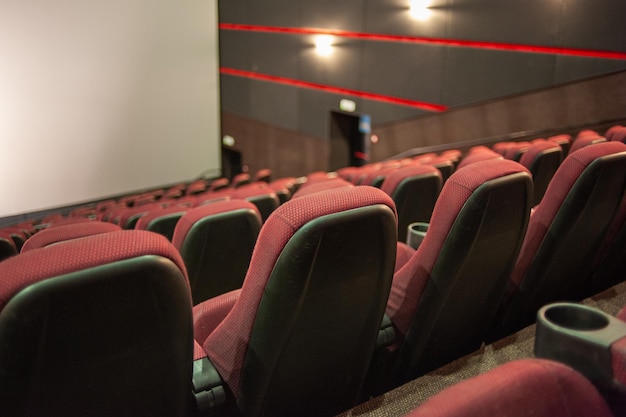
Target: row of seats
[(256, 336), (103, 325), (563, 380)]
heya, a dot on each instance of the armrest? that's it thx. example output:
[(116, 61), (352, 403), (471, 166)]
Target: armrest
[(584, 338), (210, 313), (403, 254), (386, 334), (208, 387)]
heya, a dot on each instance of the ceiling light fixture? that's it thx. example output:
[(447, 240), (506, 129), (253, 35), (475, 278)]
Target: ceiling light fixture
[(420, 9), (324, 45)]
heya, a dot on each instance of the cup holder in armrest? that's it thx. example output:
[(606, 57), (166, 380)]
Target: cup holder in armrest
[(579, 336), (416, 233)]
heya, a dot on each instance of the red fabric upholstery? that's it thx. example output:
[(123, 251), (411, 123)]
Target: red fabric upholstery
[(198, 351), (209, 314), (226, 346), (542, 159), (219, 184), (71, 231), (264, 175), (240, 179), (393, 179), (586, 132), (409, 281), (287, 182), (33, 266), (403, 254), (196, 187), (317, 176), (523, 388), (535, 149), (585, 140), (564, 141), (515, 151), (347, 173), (618, 361), (192, 216), (124, 216), (477, 156), (144, 221), (318, 186), (213, 196), (619, 135), (611, 132), (557, 191)]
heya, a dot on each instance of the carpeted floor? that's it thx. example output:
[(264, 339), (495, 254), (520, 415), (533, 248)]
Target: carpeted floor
[(519, 345)]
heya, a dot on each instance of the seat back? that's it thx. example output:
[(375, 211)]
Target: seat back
[(240, 179), (216, 242), (259, 194), (58, 234), (7, 246), (521, 388), (587, 139), (414, 189), (566, 230), (299, 339), (445, 298), (98, 326), (477, 156), (542, 160), (162, 220), (564, 141), (316, 187), (618, 134)]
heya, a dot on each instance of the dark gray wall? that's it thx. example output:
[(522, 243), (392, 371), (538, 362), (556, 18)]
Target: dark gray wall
[(440, 74)]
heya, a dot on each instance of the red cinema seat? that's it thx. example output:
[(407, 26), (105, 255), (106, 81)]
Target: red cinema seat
[(300, 335), (521, 388), (565, 232), (444, 299), (58, 234), (99, 326), (216, 242)]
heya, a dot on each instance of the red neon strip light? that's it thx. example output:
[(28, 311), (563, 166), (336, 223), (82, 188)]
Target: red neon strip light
[(335, 90), (589, 53), (362, 155)]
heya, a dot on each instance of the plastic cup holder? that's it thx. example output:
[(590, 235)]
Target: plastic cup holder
[(575, 317), (579, 336), (417, 232)]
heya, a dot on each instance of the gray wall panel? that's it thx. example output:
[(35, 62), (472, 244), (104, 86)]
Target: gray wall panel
[(569, 68), (597, 24), (430, 72), (333, 14), (275, 54), (532, 22), (409, 71), (314, 109), (235, 50), (276, 104), (236, 96), (473, 75)]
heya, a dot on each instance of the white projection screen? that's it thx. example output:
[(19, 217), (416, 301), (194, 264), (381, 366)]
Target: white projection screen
[(104, 97)]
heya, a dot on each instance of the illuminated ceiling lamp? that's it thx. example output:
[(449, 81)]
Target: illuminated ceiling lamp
[(324, 45), (420, 9)]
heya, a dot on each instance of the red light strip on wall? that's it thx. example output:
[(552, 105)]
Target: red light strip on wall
[(334, 90), (589, 53)]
